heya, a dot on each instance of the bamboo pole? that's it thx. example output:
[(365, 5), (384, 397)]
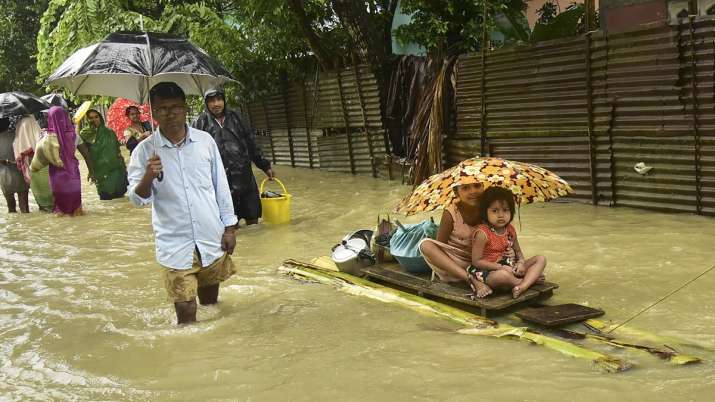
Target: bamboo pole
[(662, 351), (477, 325), (284, 93), (696, 122), (589, 110), (590, 15), (364, 116), (347, 123), (308, 125), (270, 132), (603, 327), (483, 84)]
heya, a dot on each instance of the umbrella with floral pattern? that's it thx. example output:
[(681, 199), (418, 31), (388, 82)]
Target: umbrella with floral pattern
[(529, 183), (117, 118)]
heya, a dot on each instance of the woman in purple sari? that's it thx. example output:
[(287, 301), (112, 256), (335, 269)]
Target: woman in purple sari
[(65, 182)]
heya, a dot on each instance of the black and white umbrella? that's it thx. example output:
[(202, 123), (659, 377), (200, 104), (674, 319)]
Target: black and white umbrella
[(20, 103), (55, 99), (127, 64)]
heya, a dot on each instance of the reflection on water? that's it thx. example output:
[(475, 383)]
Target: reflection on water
[(83, 314)]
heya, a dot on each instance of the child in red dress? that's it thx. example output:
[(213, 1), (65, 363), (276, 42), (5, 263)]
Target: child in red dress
[(493, 238)]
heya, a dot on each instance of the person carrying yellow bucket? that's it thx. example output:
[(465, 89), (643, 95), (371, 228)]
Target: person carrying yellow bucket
[(276, 206)]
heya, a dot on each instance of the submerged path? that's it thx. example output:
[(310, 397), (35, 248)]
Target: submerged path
[(83, 313)]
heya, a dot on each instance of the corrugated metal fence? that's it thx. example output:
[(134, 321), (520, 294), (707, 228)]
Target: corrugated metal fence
[(587, 108), (332, 123), (591, 108)]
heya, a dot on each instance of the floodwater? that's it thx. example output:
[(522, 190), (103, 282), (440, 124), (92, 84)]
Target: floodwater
[(84, 316)]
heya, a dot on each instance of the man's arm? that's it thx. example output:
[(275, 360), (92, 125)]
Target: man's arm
[(253, 149), (82, 147), (139, 168)]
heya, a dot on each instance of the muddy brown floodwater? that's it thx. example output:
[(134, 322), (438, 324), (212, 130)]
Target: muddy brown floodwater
[(84, 316)]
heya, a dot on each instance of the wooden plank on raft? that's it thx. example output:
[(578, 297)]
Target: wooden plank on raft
[(394, 275), (560, 314)]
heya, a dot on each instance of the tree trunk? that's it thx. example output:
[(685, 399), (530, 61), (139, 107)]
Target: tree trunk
[(326, 61), (367, 35), (372, 38)]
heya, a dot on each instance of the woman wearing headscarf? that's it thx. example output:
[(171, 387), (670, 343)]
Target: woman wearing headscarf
[(27, 134), (110, 172), (65, 181), (137, 131)]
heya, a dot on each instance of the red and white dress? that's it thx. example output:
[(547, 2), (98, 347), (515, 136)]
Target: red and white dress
[(497, 244)]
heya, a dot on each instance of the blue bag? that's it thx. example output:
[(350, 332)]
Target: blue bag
[(404, 245)]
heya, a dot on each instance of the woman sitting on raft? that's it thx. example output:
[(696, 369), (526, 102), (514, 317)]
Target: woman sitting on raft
[(451, 254)]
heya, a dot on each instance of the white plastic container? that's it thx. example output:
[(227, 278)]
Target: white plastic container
[(345, 256)]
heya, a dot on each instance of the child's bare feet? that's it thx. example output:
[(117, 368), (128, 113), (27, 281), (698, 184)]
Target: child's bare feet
[(517, 290), (481, 290)]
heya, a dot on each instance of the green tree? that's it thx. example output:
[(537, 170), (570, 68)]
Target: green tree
[(19, 23), (454, 27), (262, 40)]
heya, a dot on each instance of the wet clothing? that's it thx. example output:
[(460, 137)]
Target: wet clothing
[(65, 182), (11, 180), (497, 244), (109, 169), (40, 186), (458, 247), (88, 134), (191, 206), (27, 133), (132, 135), (182, 284), (237, 145)]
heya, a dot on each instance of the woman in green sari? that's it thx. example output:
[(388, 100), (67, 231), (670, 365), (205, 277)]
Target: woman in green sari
[(110, 172)]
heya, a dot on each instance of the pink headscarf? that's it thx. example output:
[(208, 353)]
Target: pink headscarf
[(59, 122)]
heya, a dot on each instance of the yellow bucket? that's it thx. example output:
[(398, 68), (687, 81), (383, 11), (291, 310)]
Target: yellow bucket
[(275, 210)]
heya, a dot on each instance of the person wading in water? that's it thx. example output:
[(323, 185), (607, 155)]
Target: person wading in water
[(237, 145), (192, 212)]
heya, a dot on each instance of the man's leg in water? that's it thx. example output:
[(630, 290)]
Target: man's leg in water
[(185, 312), (24, 203), (181, 286), (208, 294), (10, 200), (209, 279)]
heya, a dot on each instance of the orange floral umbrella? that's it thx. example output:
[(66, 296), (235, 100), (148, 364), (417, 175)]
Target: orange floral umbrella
[(530, 183)]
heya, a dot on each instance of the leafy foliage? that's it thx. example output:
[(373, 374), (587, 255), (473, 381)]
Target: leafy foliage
[(255, 39), (455, 26), (547, 12), (19, 23), (564, 25)]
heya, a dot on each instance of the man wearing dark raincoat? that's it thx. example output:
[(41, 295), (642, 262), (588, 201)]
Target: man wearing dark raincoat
[(237, 146)]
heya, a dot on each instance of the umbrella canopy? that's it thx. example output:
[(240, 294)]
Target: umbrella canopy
[(81, 111), (55, 99), (20, 103), (530, 183), (136, 61), (117, 118)]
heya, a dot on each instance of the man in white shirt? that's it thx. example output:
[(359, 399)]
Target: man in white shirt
[(192, 211)]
